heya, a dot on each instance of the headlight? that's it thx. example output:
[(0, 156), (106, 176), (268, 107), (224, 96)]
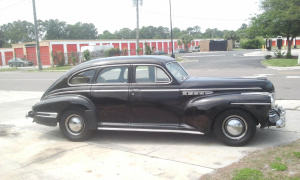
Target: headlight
[(273, 99)]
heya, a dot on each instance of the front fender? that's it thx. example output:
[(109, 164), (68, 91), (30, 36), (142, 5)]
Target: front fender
[(200, 112), (48, 111)]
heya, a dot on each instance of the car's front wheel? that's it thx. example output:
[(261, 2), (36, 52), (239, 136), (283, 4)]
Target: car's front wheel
[(22, 64), (73, 126), (235, 127)]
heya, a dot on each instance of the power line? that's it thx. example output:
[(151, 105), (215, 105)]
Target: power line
[(12, 5)]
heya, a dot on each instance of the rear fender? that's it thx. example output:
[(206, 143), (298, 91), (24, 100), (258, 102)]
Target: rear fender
[(57, 105)]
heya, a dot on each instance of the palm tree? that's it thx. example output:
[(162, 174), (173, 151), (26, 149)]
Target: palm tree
[(185, 40)]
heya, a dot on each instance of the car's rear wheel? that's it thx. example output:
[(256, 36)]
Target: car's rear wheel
[(22, 64), (10, 65), (73, 126), (235, 127)]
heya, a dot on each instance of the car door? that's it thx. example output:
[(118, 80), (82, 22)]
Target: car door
[(109, 93), (154, 97)]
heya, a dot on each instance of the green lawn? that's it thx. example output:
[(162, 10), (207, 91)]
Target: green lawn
[(8, 69), (281, 62)]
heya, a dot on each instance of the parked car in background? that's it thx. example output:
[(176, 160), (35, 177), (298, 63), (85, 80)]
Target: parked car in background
[(155, 94), (19, 62), (159, 52), (180, 51), (195, 49)]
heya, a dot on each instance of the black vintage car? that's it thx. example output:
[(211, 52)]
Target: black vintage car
[(155, 94)]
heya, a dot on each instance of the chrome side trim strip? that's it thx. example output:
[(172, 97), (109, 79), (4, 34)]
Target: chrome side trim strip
[(159, 90), (68, 92), (47, 114), (252, 103), (118, 90), (222, 89), (149, 130)]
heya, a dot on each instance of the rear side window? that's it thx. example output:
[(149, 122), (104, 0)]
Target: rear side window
[(84, 77), (113, 74)]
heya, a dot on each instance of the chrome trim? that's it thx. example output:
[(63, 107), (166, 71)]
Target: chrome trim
[(118, 90), (156, 90), (222, 89), (149, 130), (188, 93), (251, 103), (67, 92), (47, 114)]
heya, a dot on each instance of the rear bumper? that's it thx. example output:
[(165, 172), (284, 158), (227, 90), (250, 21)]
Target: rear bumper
[(277, 117)]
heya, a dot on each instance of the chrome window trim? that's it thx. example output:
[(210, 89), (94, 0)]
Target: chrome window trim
[(47, 114), (179, 65), (150, 83)]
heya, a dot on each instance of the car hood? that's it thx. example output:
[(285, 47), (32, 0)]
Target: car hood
[(228, 84)]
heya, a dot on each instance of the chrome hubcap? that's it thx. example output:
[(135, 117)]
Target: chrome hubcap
[(234, 127), (75, 124)]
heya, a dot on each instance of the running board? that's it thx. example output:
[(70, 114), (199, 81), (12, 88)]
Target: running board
[(149, 130)]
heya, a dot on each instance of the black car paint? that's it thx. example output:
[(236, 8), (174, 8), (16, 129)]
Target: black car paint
[(191, 104)]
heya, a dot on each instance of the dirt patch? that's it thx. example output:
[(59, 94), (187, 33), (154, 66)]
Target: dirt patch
[(262, 160), (8, 131)]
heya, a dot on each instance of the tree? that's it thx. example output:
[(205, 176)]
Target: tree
[(161, 33), (185, 40), (278, 18), (176, 33), (81, 31), (106, 35), (18, 32), (230, 35), (125, 33), (54, 29), (2, 38), (147, 32)]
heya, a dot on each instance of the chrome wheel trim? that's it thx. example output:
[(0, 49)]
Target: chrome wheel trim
[(234, 127), (74, 124)]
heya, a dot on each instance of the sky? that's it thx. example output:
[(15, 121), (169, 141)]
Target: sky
[(114, 15)]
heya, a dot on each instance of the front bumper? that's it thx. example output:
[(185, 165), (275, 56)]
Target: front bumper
[(277, 117)]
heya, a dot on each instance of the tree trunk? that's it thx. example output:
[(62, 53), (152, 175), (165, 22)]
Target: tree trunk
[(289, 45)]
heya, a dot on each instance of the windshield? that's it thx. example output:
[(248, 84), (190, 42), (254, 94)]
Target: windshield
[(177, 71)]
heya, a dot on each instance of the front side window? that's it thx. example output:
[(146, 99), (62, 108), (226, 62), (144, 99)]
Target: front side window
[(177, 71), (150, 74), (84, 77), (113, 75)]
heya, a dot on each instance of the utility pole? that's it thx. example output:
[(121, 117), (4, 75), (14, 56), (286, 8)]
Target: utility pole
[(136, 3), (172, 55), (137, 28), (37, 38)]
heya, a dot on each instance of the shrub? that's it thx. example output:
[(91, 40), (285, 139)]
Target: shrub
[(268, 56), (73, 57), (58, 58), (147, 49), (112, 52), (278, 54), (87, 55), (255, 43)]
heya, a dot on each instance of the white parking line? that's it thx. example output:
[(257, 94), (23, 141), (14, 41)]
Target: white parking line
[(293, 77)]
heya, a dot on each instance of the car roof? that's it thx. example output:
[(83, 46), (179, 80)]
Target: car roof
[(144, 59)]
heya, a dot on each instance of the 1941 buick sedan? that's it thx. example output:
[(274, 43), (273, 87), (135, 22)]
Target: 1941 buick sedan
[(155, 94)]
